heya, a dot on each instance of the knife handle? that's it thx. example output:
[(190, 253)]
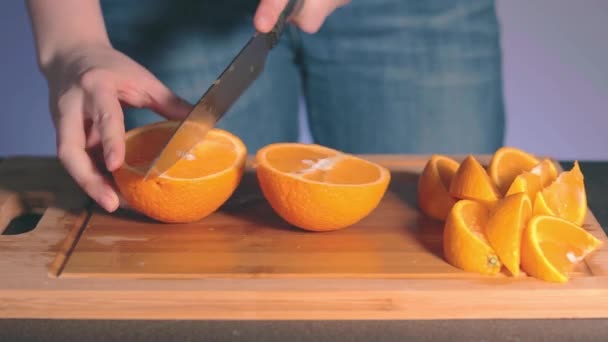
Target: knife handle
[(292, 8)]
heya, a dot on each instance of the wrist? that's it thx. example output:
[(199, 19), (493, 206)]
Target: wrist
[(59, 53), (66, 25), (60, 56)]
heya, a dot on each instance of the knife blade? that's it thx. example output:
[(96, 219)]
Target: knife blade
[(243, 70)]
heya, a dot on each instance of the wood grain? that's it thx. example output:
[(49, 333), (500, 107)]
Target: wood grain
[(245, 263)]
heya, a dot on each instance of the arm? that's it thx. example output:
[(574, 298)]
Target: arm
[(65, 25)]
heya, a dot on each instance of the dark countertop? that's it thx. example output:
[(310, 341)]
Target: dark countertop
[(596, 179)]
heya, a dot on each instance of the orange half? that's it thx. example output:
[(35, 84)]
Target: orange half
[(318, 188), (434, 198), (197, 185)]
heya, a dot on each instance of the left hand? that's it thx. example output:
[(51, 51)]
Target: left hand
[(309, 19)]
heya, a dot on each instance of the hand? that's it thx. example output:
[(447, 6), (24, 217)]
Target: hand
[(87, 85), (309, 19)]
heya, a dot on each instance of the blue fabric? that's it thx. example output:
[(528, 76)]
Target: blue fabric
[(381, 76)]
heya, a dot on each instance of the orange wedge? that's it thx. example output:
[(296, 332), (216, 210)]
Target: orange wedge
[(197, 185), (551, 247), (433, 196), (539, 177), (471, 181), (525, 182), (317, 188), (464, 243), (507, 163), (546, 171), (565, 197), (505, 226)]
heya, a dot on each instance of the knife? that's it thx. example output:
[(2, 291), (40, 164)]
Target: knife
[(232, 82)]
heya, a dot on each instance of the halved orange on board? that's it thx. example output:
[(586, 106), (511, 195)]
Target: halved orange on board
[(504, 228), (464, 242), (508, 162), (318, 188), (551, 247), (197, 185), (434, 198), (565, 197), (471, 181)]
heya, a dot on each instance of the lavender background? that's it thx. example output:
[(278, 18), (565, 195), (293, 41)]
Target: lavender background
[(555, 74)]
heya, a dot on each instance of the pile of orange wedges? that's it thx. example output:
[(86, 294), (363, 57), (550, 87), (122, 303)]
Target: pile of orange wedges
[(519, 213)]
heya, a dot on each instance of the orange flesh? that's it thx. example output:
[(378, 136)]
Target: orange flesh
[(562, 254), (563, 249), (475, 219), (322, 166), (445, 173), (212, 155)]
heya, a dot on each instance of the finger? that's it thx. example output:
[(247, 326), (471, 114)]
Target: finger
[(71, 151), (122, 202), (103, 105), (149, 92), (313, 14), (165, 102), (91, 134), (267, 14)]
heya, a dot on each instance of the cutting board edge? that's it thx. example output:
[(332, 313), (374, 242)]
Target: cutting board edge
[(307, 304)]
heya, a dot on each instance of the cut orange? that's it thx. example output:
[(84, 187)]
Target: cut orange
[(471, 181), (464, 243), (546, 171), (540, 206), (539, 177), (525, 182), (505, 226), (565, 197), (433, 196), (197, 185), (551, 247), (507, 163), (318, 188)]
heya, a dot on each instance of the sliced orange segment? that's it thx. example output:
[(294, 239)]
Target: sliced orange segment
[(464, 243), (551, 247), (540, 206), (539, 177), (565, 197), (508, 162), (525, 182), (317, 188), (197, 185), (433, 196), (546, 171), (471, 181), (505, 226)]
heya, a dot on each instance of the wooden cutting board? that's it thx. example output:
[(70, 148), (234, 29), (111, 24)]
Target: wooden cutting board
[(244, 262)]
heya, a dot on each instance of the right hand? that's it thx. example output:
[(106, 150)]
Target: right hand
[(87, 86)]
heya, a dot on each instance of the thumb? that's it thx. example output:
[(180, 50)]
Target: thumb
[(267, 14)]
